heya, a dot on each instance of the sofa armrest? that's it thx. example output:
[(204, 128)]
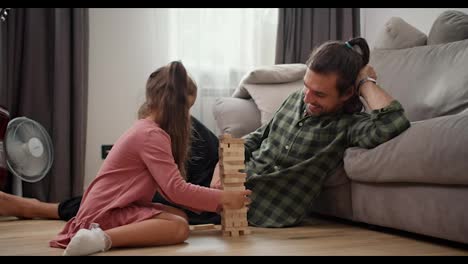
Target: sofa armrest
[(236, 116), (430, 151)]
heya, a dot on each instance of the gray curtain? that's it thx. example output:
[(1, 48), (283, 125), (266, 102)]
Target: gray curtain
[(45, 52), (302, 29)]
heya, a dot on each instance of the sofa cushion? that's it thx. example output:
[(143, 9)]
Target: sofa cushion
[(450, 26), (429, 81), (274, 74), (432, 151), (397, 34), (269, 97), (236, 116)]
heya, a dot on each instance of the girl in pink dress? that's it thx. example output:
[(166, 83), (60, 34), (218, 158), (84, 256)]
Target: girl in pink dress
[(116, 210)]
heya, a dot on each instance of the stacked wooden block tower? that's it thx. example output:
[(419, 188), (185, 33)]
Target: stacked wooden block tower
[(231, 161)]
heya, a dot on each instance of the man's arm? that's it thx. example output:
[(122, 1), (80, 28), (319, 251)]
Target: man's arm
[(375, 96), (253, 140), (386, 119)]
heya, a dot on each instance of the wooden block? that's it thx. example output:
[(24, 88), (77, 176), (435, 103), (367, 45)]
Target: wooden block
[(240, 175), (235, 232), (233, 176), (232, 160), (244, 210), (229, 213), (232, 157), (202, 227), (245, 232), (234, 188), (245, 223), (229, 139), (236, 162), (232, 184), (234, 180), (234, 141), (234, 211), (231, 151), (231, 164), (228, 168), (231, 145)]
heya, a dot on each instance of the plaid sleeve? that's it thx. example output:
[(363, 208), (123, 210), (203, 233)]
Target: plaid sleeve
[(254, 139), (381, 125)]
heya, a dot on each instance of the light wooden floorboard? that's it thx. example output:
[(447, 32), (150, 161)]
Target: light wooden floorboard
[(316, 237)]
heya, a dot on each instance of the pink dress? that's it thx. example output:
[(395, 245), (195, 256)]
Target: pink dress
[(139, 164)]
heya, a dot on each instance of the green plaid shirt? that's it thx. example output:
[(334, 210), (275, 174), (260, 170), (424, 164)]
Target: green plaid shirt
[(288, 159)]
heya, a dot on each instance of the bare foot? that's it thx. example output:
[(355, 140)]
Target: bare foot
[(11, 205), (6, 207)]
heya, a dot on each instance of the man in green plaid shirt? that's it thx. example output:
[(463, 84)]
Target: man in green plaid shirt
[(289, 158)]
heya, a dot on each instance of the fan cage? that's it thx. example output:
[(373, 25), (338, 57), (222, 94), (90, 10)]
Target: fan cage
[(47, 147)]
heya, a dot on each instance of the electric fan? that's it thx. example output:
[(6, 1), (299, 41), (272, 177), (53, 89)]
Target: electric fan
[(29, 151), (4, 119)]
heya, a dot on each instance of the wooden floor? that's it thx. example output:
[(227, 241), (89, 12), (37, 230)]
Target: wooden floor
[(316, 237)]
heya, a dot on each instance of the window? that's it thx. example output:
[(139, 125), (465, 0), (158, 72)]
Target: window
[(218, 46)]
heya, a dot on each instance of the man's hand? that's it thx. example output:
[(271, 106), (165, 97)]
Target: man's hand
[(215, 180), (365, 72), (374, 95)]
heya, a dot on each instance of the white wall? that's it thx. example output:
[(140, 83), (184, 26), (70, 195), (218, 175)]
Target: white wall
[(121, 57), (373, 19)]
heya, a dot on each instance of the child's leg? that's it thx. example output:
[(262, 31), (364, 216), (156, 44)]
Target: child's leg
[(165, 229), (174, 211)]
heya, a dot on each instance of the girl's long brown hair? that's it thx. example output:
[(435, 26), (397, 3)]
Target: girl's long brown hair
[(167, 94)]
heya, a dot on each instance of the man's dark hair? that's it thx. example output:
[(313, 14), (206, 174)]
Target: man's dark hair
[(345, 59)]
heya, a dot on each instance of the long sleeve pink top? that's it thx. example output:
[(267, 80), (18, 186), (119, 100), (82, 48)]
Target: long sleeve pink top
[(139, 164)]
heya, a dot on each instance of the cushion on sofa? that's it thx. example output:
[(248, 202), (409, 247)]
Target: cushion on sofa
[(227, 111), (430, 151), (398, 34), (269, 97), (274, 74), (450, 26), (429, 81)]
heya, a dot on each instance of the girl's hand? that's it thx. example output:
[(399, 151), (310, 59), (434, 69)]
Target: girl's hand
[(235, 199)]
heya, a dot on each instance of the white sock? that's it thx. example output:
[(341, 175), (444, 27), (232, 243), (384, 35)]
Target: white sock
[(88, 241)]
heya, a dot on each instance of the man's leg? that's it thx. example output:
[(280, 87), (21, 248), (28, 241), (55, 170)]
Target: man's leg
[(12, 205), (69, 208), (200, 168)]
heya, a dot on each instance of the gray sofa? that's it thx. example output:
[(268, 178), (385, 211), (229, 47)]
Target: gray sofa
[(418, 181)]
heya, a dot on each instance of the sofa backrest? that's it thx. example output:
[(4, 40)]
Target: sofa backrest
[(429, 80), (269, 86)]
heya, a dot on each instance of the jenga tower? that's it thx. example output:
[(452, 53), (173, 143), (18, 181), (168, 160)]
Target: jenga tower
[(231, 161)]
